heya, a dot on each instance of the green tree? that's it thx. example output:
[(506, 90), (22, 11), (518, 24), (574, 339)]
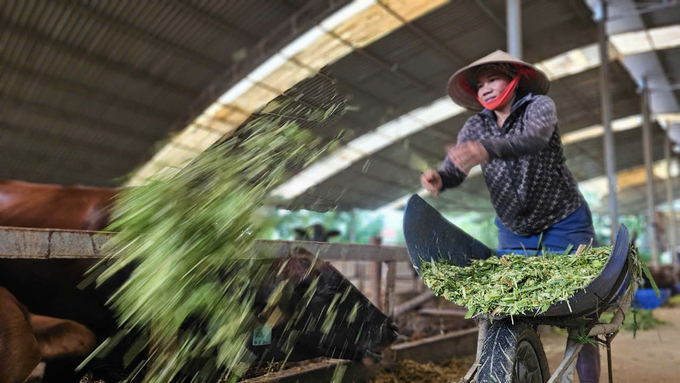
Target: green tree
[(481, 226)]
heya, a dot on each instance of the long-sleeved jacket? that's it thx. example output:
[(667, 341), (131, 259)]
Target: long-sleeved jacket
[(531, 188)]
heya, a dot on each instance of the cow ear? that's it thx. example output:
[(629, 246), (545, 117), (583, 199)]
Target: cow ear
[(333, 233)]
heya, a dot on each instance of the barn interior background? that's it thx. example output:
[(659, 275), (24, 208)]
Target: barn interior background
[(106, 93)]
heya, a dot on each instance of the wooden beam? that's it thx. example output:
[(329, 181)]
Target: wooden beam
[(438, 348), (414, 303), (443, 312)]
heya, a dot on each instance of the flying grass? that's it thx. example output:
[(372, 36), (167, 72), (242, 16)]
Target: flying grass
[(190, 235), (515, 284)]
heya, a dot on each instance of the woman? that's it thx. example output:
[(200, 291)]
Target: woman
[(516, 140)]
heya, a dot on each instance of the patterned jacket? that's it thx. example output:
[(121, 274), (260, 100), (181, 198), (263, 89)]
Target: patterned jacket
[(531, 188)]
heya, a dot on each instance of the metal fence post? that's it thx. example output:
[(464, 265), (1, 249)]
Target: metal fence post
[(606, 101)]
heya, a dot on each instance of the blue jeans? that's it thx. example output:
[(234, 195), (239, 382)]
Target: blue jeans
[(574, 230)]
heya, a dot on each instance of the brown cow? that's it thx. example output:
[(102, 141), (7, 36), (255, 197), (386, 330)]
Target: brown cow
[(26, 338), (24, 204)]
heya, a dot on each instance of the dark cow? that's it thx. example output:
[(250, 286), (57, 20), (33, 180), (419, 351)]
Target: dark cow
[(315, 233), (358, 330)]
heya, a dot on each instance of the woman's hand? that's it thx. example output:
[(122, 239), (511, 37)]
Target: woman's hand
[(467, 155), (431, 181)]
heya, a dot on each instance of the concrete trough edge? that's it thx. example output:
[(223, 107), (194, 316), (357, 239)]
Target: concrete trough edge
[(438, 348), (317, 372), (433, 349), (53, 243)]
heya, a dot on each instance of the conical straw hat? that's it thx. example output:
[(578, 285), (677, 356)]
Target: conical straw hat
[(538, 84)]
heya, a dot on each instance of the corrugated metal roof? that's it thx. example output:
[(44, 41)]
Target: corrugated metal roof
[(667, 16), (669, 59), (88, 88)]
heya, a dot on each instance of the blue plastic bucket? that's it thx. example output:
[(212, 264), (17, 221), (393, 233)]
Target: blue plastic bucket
[(646, 299)]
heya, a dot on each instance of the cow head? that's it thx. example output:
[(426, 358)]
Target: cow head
[(315, 233), (320, 313)]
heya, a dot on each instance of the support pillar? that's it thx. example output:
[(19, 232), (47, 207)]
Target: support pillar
[(649, 171), (672, 238), (514, 26), (606, 101)]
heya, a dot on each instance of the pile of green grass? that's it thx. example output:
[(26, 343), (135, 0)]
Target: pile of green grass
[(515, 284)]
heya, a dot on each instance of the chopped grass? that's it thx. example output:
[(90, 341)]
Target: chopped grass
[(515, 284)]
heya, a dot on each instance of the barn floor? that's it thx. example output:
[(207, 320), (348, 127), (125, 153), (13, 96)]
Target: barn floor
[(653, 356)]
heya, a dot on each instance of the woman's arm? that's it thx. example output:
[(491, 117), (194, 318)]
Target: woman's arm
[(450, 173)]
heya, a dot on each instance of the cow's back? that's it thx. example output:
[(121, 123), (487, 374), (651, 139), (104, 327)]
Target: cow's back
[(24, 204)]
